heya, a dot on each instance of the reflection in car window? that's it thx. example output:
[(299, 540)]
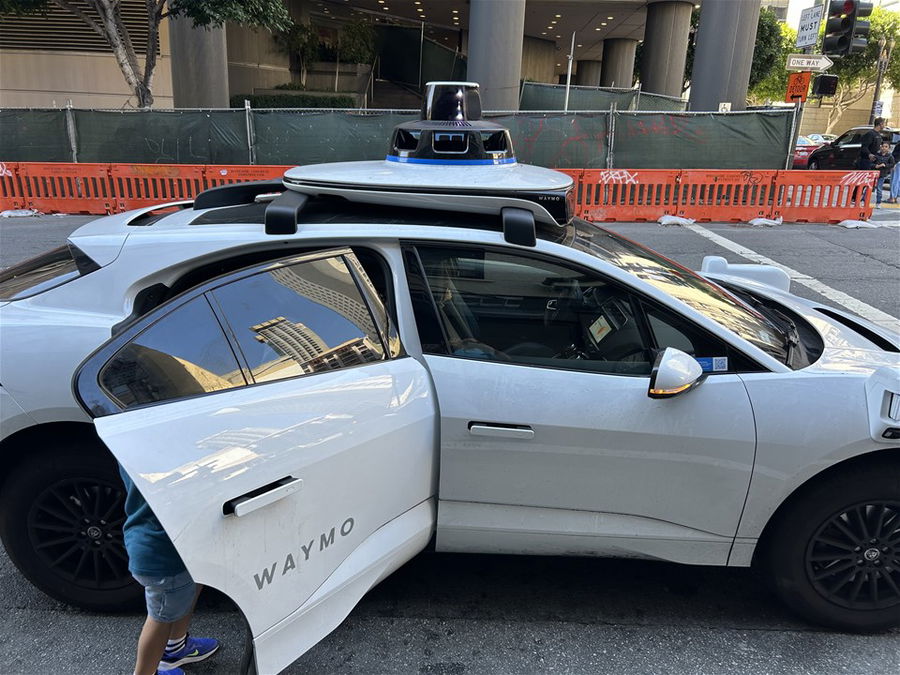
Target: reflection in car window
[(300, 319), (183, 354), (44, 272), (501, 307), (682, 284)]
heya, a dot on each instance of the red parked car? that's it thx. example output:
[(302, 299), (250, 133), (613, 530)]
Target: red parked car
[(803, 150)]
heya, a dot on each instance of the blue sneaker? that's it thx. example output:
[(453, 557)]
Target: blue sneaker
[(195, 649), (171, 671)]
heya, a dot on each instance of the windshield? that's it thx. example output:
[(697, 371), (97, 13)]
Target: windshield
[(683, 284), (44, 272)]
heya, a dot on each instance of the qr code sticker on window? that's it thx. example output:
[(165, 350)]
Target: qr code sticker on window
[(720, 363)]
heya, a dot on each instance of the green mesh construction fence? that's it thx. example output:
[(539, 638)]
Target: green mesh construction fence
[(639, 140), (162, 137), (309, 137), (645, 101), (538, 96), (756, 140), (34, 136)]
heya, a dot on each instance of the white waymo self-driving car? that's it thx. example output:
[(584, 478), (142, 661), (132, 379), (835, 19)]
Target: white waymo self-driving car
[(309, 380)]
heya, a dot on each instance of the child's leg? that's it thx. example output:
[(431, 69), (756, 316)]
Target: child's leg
[(170, 603), (151, 645), (180, 628)]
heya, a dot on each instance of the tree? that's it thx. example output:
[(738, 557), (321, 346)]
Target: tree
[(104, 17), (769, 50), (857, 73), (773, 86)]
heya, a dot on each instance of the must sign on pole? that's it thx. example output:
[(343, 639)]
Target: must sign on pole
[(808, 30)]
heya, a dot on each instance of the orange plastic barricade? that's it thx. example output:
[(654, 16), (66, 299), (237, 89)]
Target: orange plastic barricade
[(601, 194), (824, 196), (627, 194), (62, 187), (725, 196), (138, 185)]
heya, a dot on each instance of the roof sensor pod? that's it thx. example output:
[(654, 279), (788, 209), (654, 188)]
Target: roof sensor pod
[(450, 159)]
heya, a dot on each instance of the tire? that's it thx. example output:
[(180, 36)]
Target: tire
[(61, 515), (813, 166), (834, 557)]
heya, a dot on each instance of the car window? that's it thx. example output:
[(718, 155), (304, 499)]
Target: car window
[(43, 272), (671, 330), (185, 353), (300, 319), (848, 138), (498, 306)]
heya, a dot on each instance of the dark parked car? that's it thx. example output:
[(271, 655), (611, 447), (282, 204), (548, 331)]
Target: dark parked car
[(843, 151)]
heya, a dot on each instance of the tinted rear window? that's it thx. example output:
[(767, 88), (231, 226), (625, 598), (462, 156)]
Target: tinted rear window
[(44, 272)]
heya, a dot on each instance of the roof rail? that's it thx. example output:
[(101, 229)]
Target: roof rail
[(236, 194)]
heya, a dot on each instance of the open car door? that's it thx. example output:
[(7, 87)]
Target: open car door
[(285, 444)]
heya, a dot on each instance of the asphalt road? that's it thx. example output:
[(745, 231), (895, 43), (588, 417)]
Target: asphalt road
[(448, 614)]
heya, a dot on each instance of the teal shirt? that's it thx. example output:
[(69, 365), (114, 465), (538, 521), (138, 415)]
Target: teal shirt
[(150, 551)]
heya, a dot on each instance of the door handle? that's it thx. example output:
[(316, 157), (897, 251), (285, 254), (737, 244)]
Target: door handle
[(522, 432), (263, 496)]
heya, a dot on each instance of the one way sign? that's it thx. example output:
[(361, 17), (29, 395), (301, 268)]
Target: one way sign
[(817, 63)]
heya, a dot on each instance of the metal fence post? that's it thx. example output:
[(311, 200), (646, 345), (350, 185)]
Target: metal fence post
[(70, 131), (612, 135), (251, 136)]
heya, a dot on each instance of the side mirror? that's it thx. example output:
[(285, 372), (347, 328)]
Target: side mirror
[(673, 372)]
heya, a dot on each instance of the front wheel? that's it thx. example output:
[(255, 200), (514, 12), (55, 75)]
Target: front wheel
[(61, 515), (813, 166), (834, 557)]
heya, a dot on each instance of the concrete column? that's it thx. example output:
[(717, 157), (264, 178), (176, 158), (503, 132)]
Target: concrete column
[(665, 46), (496, 28), (588, 73), (726, 38), (199, 65), (618, 62)]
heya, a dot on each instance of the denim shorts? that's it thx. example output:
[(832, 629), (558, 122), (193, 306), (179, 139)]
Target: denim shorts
[(168, 598)]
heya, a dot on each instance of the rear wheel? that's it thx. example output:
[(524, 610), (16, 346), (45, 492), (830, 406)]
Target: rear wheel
[(61, 524), (835, 556)]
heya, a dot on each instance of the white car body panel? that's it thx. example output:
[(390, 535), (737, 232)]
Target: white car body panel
[(601, 446), (373, 560), (362, 440)]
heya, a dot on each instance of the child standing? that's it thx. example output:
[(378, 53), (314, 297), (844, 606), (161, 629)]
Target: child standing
[(884, 163), (170, 592)]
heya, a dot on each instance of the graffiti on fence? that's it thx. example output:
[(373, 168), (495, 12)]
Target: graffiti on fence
[(4, 171), (619, 176), (751, 177), (857, 178)]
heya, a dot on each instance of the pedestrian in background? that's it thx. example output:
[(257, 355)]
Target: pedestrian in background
[(870, 146), (895, 176), (883, 163)]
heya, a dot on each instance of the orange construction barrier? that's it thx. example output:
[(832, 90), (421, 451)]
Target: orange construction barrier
[(726, 195), (601, 194), (60, 187), (644, 194), (824, 196)]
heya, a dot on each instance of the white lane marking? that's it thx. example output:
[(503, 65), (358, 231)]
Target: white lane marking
[(839, 297)]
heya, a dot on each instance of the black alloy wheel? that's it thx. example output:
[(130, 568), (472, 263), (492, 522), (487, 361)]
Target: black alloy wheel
[(853, 559), (75, 527), (813, 166), (61, 516), (833, 554)]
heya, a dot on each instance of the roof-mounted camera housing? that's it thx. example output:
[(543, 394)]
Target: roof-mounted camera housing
[(451, 130)]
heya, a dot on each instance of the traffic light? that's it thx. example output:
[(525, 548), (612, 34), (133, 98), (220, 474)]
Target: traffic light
[(825, 85), (845, 34)]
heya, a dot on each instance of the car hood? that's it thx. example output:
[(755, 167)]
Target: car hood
[(851, 344)]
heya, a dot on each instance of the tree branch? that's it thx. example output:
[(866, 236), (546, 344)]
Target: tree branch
[(77, 11)]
